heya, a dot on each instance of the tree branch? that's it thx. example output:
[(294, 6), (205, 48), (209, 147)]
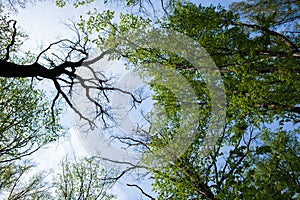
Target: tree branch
[(13, 39), (143, 192), (283, 38)]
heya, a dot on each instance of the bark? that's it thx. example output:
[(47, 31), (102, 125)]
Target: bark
[(9, 69)]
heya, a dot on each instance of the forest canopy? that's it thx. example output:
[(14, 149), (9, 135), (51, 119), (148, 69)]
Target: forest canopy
[(225, 92)]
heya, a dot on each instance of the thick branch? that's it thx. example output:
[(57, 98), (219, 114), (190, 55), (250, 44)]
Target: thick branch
[(283, 38), (10, 70), (278, 54), (201, 187), (274, 106), (13, 39)]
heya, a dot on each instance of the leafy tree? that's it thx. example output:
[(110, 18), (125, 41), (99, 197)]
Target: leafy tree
[(16, 183), (26, 124), (251, 58), (84, 179), (282, 14), (256, 156)]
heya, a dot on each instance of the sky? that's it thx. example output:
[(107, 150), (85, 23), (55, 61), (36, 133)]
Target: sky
[(44, 23)]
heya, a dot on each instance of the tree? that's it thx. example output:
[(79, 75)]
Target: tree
[(259, 64), (61, 68), (25, 121), (25, 127), (251, 58), (17, 184), (283, 14), (255, 156), (26, 124), (84, 179)]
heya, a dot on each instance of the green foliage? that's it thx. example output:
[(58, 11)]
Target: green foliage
[(76, 3), (16, 183), (256, 157), (83, 179), (25, 118), (60, 3), (26, 124), (270, 14), (82, 3), (257, 94)]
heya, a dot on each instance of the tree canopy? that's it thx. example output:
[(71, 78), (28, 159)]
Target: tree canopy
[(26, 123), (255, 49), (83, 179), (257, 154)]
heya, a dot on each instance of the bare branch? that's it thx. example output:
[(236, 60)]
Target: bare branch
[(59, 90), (49, 47), (131, 141), (143, 192)]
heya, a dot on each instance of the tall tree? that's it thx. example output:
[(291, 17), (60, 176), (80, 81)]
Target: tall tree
[(84, 179), (281, 14), (256, 156), (61, 68), (26, 123), (17, 183)]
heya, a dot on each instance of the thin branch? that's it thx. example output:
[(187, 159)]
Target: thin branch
[(122, 162), (163, 7), (131, 141), (143, 192), (59, 90), (52, 107), (48, 48)]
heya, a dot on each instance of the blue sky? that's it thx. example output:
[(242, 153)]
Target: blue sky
[(44, 24)]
